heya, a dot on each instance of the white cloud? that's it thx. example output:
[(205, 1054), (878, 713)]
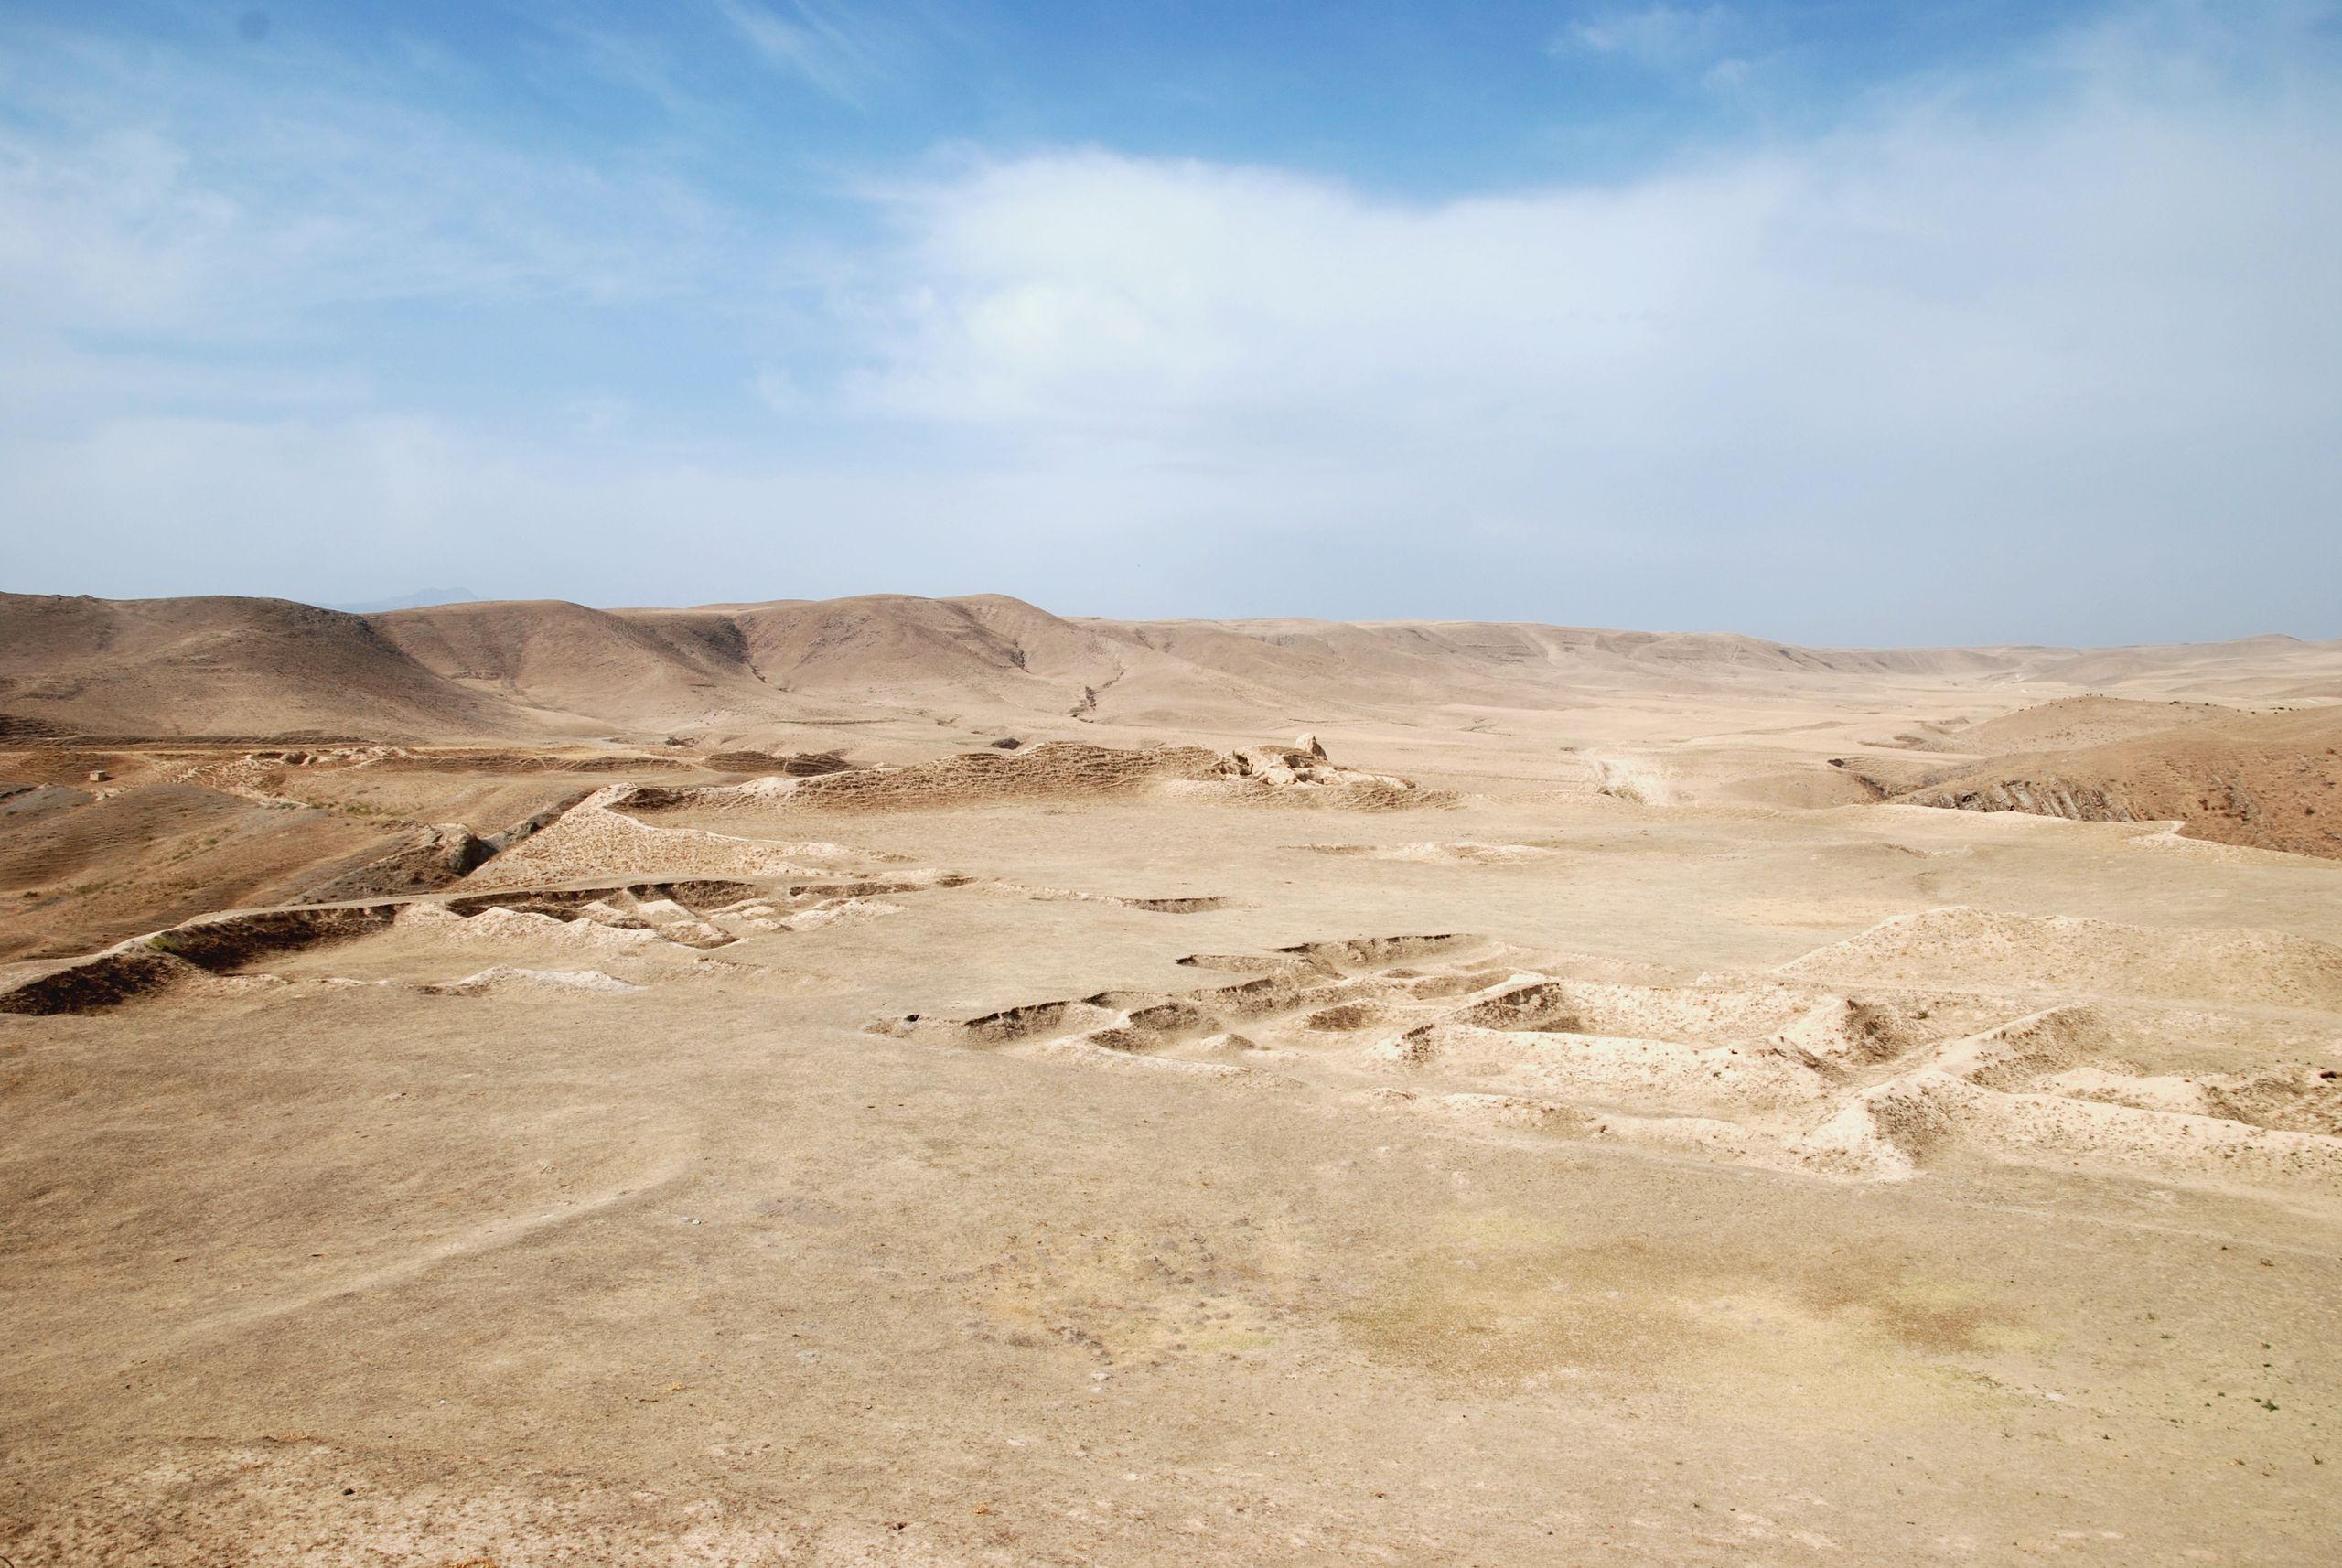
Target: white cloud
[(1926, 281), (2102, 331)]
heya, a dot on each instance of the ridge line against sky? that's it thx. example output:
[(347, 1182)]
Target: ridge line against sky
[(1844, 324)]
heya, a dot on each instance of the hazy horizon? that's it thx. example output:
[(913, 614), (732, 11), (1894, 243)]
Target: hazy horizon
[(439, 598)]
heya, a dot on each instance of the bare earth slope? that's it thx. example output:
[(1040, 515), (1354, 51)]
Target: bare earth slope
[(220, 666), (2265, 780), (570, 664)]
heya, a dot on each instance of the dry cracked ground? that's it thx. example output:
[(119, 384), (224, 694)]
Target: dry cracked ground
[(1461, 1150)]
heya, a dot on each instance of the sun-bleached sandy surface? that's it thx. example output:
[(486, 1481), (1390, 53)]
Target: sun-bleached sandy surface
[(1603, 1133)]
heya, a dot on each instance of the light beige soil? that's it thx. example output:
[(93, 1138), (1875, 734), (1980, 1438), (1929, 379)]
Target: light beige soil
[(1167, 1165)]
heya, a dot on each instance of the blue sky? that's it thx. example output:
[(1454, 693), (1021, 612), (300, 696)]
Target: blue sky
[(1838, 322)]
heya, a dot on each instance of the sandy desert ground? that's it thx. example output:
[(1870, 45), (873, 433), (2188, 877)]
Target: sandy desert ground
[(897, 1082)]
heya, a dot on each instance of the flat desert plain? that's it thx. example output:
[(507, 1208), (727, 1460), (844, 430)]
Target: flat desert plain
[(902, 1081)]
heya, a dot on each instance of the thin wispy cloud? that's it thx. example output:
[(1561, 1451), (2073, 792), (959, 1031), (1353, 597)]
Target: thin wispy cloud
[(1659, 36), (199, 241), (835, 49)]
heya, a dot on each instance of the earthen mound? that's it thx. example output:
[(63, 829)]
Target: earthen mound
[(2061, 952), (1060, 770)]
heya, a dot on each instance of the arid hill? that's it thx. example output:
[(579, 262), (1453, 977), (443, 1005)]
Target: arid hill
[(2266, 780), (220, 666), (2064, 725), (569, 668), (551, 669)]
